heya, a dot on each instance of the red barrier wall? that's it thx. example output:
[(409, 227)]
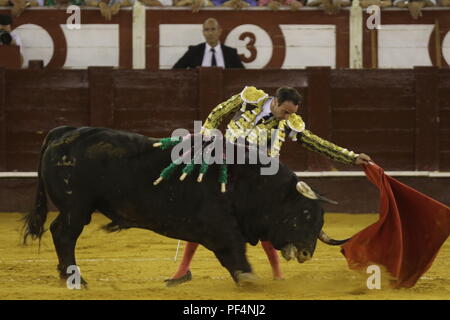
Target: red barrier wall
[(400, 117)]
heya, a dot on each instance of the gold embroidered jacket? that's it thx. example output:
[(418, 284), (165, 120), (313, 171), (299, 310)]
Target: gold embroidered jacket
[(247, 105)]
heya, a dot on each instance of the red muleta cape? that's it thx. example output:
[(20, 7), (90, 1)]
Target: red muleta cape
[(407, 236)]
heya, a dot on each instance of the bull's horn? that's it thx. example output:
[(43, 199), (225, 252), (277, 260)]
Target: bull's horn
[(324, 199), (326, 239), (306, 191)]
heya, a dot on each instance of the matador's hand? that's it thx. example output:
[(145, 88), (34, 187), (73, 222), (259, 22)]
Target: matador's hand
[(362, 159)]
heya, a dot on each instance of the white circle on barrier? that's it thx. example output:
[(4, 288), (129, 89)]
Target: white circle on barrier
[(446, 48), (253, 42), (37, 44)]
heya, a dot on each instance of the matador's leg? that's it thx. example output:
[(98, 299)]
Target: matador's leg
[(274, 259), (183, 273)]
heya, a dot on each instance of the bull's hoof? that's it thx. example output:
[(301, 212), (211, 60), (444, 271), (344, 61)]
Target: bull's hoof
[(245, 278), (177, 281), (83, 285)]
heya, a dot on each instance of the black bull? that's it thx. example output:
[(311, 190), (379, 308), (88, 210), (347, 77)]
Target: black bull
[(87, 169)]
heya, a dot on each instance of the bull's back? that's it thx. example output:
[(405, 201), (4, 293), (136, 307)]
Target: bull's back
[(93, 161), (113, 172)]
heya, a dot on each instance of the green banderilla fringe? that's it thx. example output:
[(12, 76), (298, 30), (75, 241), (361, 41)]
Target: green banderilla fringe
[(168, 170), (187, 170), (166, 143), (223, 177), (203, 168)]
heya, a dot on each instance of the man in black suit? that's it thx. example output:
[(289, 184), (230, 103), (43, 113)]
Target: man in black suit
[(210, 53)]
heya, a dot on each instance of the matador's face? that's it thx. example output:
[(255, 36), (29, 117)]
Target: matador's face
[(284, 110)]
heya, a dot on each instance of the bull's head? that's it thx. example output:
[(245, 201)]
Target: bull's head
[(300, 225)]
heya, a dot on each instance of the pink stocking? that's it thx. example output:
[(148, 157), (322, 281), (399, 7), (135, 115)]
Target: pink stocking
[(188, 254), (274, 260)]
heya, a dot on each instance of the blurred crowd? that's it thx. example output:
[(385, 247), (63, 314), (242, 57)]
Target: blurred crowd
[(109, 8)]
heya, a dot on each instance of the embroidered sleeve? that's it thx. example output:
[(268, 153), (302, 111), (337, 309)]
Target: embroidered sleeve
[(314, 143), (222, 110)]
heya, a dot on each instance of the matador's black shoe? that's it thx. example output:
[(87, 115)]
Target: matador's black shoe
[(177, 281)]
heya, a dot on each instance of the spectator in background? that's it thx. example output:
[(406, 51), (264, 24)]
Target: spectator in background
[(329, 6), (414, 6), (18, 6), (149, 3), (275, 5), (109, 8), (235, 4), (210, 53), (156, 3), (195, 4), (60, 3), (9, 37), (380, 3)]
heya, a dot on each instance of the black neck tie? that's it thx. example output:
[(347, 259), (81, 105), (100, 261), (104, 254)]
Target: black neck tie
[(265, 118), (213, 59)]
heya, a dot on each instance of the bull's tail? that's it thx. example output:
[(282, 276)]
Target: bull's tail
[(35, 219)]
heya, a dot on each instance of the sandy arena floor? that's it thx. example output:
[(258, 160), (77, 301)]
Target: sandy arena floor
[(132, 264)]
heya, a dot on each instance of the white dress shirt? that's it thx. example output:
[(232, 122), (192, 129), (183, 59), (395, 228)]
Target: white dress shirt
[(207, 56), (16, 38), (265, 110)]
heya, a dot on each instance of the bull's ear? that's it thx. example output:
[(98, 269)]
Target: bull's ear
[(307, 192)]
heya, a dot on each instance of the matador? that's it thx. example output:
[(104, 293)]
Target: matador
[(253, 111)]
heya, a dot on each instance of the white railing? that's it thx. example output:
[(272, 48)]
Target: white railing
[(302, 174)]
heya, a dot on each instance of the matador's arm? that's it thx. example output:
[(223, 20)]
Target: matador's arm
[(221, 111), (314, 143)]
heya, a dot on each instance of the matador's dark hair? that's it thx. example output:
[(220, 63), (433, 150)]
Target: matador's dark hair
[(288, 94)]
